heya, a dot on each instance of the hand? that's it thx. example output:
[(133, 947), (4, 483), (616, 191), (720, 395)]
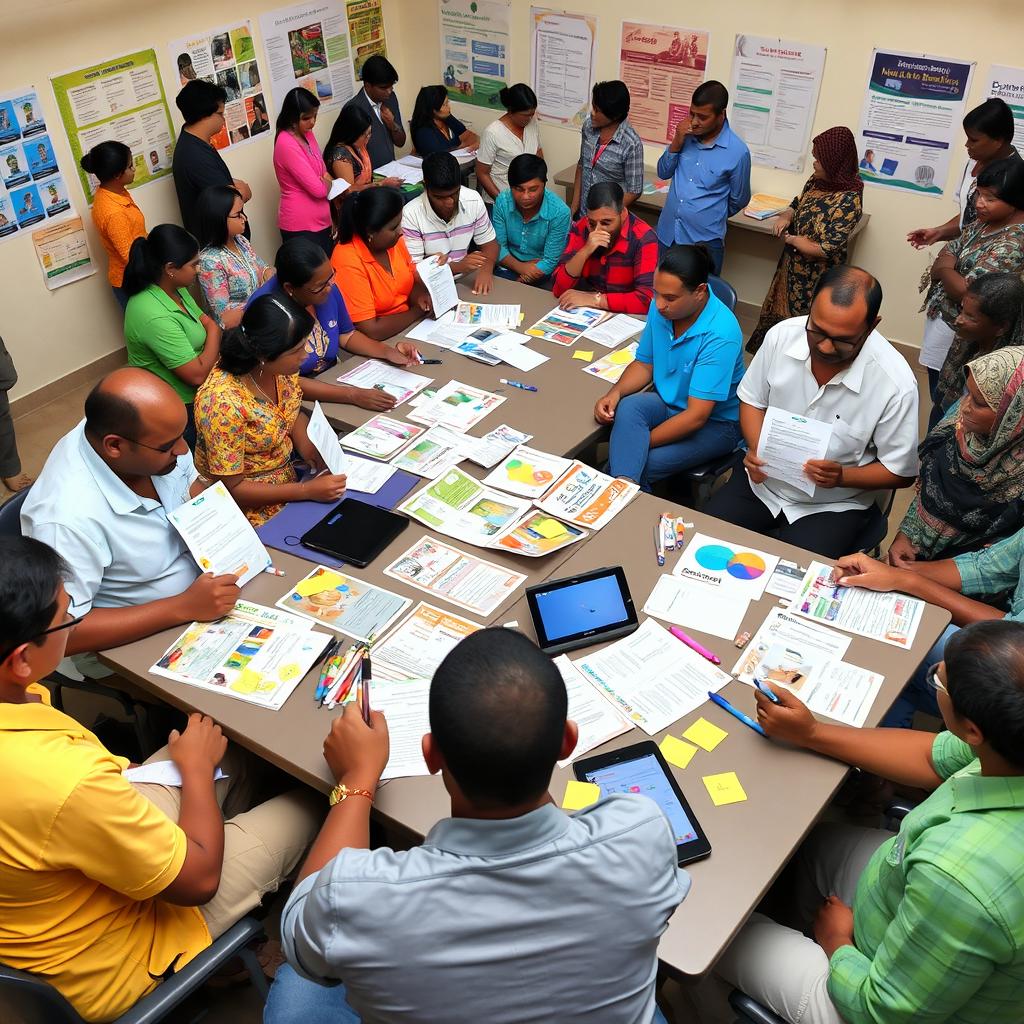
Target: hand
[(833, 925), (599, 238), (604, 410), (530, 273), (210, 597), (372, 399), (208, 322), (442, 259), (243, 188), (200, 748), (754, 467), (356, 753), (798, 242), (824, 472), (682, 130), (574, 298), (423, 303), (327, 179), (232, 317), (387, 116), (921, 238), (902, 552), (789, 720), (781, 222), (861, 570), (403, 354), (392, 183), (470, 262), (483, 280), (325, 487), (469, 140)]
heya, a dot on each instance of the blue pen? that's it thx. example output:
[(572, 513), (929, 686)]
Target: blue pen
[(768, 693), (516, 384), (736, 713)]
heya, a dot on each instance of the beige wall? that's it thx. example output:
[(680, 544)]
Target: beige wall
[(52, 334)]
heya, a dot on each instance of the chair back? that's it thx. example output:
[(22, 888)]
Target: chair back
[(723, 291), (10, 514), (26, 999)]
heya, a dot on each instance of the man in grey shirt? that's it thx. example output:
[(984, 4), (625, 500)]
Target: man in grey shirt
[(503, 912)]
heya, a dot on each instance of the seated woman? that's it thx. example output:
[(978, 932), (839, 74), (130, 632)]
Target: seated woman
[(972, 468), (513, 134), (691, 349), (434, 128), (249, 418), (165, 332), (382, 291), (816, 228), (305, 274), (346, 154), (229, 268)]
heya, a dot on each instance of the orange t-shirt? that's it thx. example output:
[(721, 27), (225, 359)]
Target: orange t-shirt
[(369, 290), (119, 222)]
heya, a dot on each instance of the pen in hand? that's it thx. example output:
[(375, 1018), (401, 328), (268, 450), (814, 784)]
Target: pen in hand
[(364, 688)]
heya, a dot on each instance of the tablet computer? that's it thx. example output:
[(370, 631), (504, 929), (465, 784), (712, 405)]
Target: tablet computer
[(578, 611), (640, 768), (355, 532)]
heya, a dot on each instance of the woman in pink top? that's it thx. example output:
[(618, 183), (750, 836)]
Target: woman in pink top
[(301, 172)]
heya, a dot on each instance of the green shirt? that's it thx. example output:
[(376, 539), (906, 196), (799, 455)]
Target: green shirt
[(995, 569), (160, 337), (939, 911)]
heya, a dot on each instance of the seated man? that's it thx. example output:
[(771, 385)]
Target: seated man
[(107, 888), (610, 257), (531, 223), (101, 503), (926, 925), (446, 219), (494, 917), (834, 367)]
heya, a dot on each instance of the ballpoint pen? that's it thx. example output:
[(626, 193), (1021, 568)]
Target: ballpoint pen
[(364, 686), (659, 544), (429, 362), (764, 689), (694, 646), (333, 669), (516, 384), (735, 712), (326, 657)]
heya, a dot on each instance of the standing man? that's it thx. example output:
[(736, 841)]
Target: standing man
[(10, 461), (709, 167), (377, 97)]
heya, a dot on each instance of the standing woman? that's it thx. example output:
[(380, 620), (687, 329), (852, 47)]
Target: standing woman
[(435, 129), (229, 268), (513, 134), (164, 330), (301, 172), (118, 220), (816, 229)]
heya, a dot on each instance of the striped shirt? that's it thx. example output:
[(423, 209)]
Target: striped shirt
[(426, 234), (621, 161)]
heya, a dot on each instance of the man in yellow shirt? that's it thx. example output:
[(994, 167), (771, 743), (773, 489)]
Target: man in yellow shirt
[(107, 887)]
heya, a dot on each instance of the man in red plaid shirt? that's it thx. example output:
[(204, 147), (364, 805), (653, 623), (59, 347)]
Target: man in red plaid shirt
[(610, 257)]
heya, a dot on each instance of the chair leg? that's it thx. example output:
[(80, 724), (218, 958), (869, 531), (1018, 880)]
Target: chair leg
[(252, 965)]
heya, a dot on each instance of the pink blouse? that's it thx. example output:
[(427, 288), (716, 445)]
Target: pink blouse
[(300, 170)]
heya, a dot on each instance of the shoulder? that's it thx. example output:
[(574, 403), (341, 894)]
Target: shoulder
[(630, 136), (346, 256), (553, 205), (892, 365), (625, 821), (415, 209), (210, 258), (471, 200), (223, 389), (722, 324), (64, 472), (641, 231)]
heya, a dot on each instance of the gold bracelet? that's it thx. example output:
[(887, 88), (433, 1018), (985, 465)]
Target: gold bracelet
[(341, 793)]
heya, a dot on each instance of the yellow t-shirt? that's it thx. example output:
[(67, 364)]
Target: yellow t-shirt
[(83, 856)]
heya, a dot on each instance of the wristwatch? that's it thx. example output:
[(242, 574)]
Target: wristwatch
[(341, 793)]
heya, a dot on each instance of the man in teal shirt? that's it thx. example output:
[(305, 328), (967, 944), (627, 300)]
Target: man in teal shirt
[(935, 932), (530, 222)]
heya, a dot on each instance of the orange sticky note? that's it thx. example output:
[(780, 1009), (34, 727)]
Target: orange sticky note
[(705, 734), (583, 356), (676, 751), (579, 795), (724, 789)]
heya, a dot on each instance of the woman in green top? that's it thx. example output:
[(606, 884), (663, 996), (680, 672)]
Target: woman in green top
[(165, 331)]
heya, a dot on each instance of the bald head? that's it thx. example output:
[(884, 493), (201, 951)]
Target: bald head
[(128, 400), (851, 286)]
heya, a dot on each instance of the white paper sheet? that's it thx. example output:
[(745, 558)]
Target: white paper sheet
[(613, 332), (511, 348), (731, 568), (406, 706), (381, 437), (366, 476), (457, 405), (440, 284), (420, 642), (696, 606), (788, 441), (488, 314), (785, 580), (393, 380), (597, 719), (323, 438), (437, 451), (489, 450), (163, 773), (527, 472), (338, 187), (398, 169)]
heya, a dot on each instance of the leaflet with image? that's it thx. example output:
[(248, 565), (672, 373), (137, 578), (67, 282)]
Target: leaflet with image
[(527, 472), (538, 534), (437, 451), (564, 326), (457, 405), (375, 373), (614, 331), (474, 346), (611, 367), (596, 717), (420, 642), (381, 437), (489, 450), (726, 566), (585, 497), (488, 314)]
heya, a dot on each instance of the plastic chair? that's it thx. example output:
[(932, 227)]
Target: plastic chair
[(870, 541), (749, 1011), (27, 999), (723, 291), (10, 514), (701, 479)]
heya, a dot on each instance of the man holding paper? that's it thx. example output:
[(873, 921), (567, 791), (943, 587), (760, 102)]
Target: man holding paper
[(828, 409)]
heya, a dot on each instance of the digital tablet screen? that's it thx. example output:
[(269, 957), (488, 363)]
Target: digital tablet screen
[(583, 607)]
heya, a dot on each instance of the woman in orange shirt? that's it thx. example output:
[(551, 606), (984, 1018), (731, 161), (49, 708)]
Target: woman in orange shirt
[(373, 268), (118, 220)]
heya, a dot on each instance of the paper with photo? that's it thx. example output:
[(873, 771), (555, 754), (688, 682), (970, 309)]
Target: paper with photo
[(381, 437), (457, 405), (726, 566), (489, 450), (474, 346), (431, 455), (696, 606), (585, 497), (527, 472), (597, 719), (538, 534), (564, 326), (785, 580), (420, 642), (488, 314), (611, 367), (615, 330), (788, 441), (392, 380), (440, 284), (163, 773)]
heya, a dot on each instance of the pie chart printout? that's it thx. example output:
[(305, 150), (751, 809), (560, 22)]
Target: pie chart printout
[(743, 565)]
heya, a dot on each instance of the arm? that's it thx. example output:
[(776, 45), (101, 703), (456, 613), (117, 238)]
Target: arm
[(577, 184), (633, 178), (669, 160), (214, 282), (120, 234), (391, 118), (578, 250), (314, 390), (945, 273), (401, 354), (413, 236), (637, 376), (243, 189), (639, 299), (197, 369), (739, 185), (554, 242), (380, 328), (689, 421), (483, 176), (921, 238), (298, 167)]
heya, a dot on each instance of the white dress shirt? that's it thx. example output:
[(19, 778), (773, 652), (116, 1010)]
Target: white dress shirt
[(871, 407)]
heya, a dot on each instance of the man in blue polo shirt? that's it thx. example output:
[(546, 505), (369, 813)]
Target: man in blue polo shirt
[(691, 349), (709, 167)]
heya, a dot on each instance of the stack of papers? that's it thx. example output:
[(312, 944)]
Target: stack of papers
[(381, 437), (392, 380), (457, 405), (787, 442), (597, 719), (409, 173), (613, 332), (362, 474), (420, 642), (437, 451), (443, 332)]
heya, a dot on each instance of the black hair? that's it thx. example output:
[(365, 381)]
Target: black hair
[(298, 260), (351, 122), (367, 212), (441, 172), (107, 412), (166, 243), (271, 325), (526, 167), (428, 99), (497, 712), (992, 118), (107, 160), (605, 193), (297, 103), (1001, 298), (30, 572), (848, 283), (378, 70), (212, 209), (710, 94), (692, 264), (198, 100), (1006, 179), (985, 680), (612, 99), (517, 98)]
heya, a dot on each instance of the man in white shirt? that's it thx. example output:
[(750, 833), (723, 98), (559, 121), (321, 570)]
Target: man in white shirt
[(834, 367), (502, 913)]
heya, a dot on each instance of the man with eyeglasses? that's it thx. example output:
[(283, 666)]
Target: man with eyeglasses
[(101, 503), (832, 366)]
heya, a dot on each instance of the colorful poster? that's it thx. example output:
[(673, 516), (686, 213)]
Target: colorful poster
[(774, 91), (1007, 84), (123, 99), (366, 30), (475, 50), (227, 57), (563, 52), (63, 253), (662, 66), (910, 120), (308, 45)]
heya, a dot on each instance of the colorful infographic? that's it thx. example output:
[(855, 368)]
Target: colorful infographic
[(733, 570), (743, 565)]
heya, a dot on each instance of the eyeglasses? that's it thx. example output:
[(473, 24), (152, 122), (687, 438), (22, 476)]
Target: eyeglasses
[(70, 624), (933, 680), (327, 284), (163, 449), (816, 335)]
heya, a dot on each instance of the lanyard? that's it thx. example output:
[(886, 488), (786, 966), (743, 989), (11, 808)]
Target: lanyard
[(597, 153)]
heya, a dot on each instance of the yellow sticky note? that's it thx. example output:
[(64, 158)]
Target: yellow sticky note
[(724, 789), (676, 751), (579, 795), (549, 528), (705, 734), (583, 356), (319, 583), (624, 355)]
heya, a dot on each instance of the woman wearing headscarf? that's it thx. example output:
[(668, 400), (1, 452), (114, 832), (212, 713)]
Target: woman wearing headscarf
[(816, 229), (972, 467)]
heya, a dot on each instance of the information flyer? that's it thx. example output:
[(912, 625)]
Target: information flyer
[(32, 189), (474, 50), (910, 120), (122, 99), (774, 89), (662, 66), (227, 56), (1007, 84), (308, 45), (366, 30), (63, 253), (563, 50)]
